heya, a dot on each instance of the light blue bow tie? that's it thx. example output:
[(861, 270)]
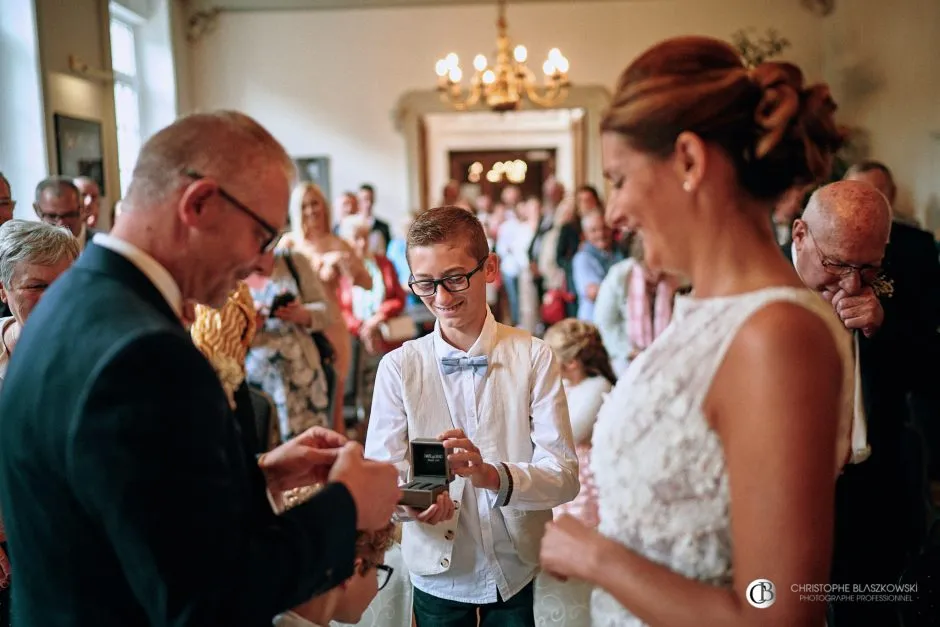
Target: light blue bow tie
[(451, 365)]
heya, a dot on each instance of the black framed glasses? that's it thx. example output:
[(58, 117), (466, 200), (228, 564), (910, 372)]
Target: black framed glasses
[(868, 273), (452, 283), (384, 573), (274, 235)]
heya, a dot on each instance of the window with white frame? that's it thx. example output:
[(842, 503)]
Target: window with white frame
[(126, 95)]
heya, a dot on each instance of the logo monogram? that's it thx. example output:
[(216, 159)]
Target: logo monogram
[(761, 593)]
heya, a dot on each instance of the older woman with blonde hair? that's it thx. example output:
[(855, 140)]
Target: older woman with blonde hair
[(331, 259)]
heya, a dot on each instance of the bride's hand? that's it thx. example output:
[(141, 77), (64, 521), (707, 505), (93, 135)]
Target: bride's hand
[(569, 549)]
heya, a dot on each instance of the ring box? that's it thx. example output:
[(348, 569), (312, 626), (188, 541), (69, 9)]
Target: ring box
[(430, 474)]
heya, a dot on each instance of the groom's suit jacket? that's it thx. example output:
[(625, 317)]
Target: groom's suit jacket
[(126, 489)]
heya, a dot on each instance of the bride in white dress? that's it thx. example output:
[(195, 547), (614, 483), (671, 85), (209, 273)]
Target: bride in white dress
[(716, 454)]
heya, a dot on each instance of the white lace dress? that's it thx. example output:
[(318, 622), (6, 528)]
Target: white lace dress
[(659, 467)]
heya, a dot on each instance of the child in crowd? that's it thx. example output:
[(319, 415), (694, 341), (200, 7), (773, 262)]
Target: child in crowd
[(347, 602)]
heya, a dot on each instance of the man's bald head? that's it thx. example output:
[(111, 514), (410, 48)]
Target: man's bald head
[(207, 200), (849, 213), (226, 145), (845, 225)]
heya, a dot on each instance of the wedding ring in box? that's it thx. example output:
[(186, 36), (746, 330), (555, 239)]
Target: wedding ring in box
[(430, 474)]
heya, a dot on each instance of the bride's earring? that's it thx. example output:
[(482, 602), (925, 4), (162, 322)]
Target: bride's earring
[(687, 186)]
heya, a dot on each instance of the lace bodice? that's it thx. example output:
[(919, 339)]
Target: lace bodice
[(659, 467)]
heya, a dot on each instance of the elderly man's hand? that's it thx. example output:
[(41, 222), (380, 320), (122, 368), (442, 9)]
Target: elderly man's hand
[(862, 311)]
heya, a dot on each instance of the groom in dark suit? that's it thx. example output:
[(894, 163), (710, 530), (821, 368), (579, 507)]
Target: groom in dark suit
[(839, 247), (127, 494)]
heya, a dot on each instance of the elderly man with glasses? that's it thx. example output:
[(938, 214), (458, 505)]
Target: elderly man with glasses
[(838, 247), (114, 421)]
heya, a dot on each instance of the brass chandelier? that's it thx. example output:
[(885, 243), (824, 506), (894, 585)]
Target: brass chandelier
[(503, 86)]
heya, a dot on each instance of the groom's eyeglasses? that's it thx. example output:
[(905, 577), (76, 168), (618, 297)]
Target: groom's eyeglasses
[(273, 235)]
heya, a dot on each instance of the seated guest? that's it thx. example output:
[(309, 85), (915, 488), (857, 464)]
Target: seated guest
[(284, 360), (634, 305), (346, 602), (365, 310), (591, 264), (32, 256)]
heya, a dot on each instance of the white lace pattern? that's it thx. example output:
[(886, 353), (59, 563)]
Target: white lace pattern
[(659, 467)]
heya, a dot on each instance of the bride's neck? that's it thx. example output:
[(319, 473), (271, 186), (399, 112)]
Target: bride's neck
[(739, 256)]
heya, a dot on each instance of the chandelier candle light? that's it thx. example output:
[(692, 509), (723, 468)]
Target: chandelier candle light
[(503, 86)]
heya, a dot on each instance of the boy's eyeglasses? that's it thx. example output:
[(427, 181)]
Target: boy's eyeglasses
[(453, 283)]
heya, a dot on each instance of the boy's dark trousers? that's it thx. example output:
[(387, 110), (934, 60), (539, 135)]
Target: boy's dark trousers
[(519, 611)]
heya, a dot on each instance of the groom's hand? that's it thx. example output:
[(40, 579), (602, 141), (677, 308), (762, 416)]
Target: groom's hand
[(372, 485), (302, 461)]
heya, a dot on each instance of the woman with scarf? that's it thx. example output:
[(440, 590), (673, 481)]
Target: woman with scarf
[(633, 306)]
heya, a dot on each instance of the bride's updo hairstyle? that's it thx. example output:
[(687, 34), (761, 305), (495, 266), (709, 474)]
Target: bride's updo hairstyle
[(777, 131)]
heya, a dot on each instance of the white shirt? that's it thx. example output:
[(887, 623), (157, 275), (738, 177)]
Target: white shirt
[(484, 560), (150, 267), (512, 246)]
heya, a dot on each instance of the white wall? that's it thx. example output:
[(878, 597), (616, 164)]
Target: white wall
[(22, 125), (881, 61), (326, 82)]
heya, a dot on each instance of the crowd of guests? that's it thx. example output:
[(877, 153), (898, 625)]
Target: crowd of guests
[(613, 382)]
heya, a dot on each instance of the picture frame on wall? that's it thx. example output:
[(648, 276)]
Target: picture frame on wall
[(79, 148), (315, 170)]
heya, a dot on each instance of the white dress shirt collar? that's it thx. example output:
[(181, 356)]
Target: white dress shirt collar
[(482, 346), (157, 274)]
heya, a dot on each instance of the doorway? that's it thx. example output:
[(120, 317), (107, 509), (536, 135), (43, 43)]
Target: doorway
[(488, 172)]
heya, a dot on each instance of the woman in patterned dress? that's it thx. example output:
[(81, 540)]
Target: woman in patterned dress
[(284, 360)]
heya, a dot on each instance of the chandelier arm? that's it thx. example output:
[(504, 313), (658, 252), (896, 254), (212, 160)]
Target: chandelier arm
[(453, 95), (546, 95)]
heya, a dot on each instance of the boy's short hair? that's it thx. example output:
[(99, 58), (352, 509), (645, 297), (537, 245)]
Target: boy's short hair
[(448, 224), (370, 545)]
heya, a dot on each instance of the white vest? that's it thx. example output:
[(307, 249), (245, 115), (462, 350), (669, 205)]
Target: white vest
[(505, 400)]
